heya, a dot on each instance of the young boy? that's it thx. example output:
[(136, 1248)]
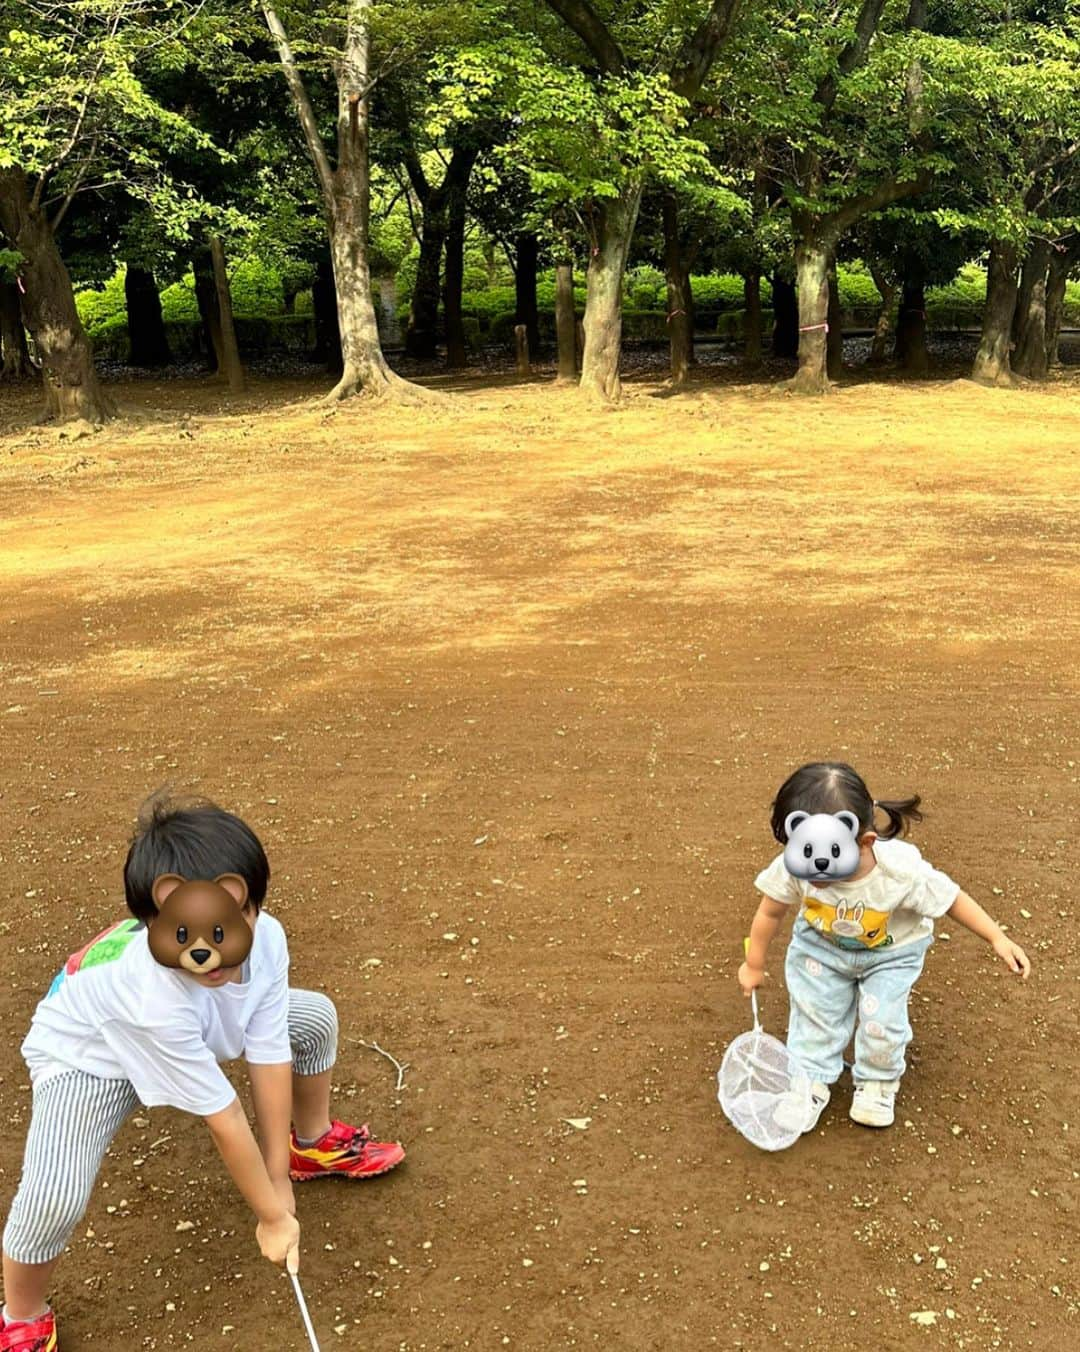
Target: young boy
[(118, 1028)]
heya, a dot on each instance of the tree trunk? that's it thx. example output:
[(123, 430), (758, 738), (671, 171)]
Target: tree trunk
[(812, 279), (616, 219), (521, 350), (457, 355), (911, 353), (887, 290), (752, 351), (48, 308), (834, 334), (421, 336), (202, 267), (229, 355), (17, 363), (364, 367), (147, 344), (1036, 256), (324, 306), (565, 321), (1062, 262), (992, 365), (680, 301), (785, 335), (1032, 358), (346, 193), (527, 251)]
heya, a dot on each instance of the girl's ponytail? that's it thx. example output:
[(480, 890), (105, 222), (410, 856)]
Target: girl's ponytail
[(898, 812)]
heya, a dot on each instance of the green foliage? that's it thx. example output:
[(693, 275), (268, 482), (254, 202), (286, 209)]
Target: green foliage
[(645, 291), (98, 309), (256, 289), (76, 111), (256, 294), (405, 277), (178, 303), (715, 293), (391, 230), (10, 260), (856, 287), (576, 139), (255, 336)]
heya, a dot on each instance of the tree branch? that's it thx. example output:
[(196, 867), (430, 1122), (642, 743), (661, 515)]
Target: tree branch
[(888, 191), (854, 54), (417, 177), (580, 16), (75, 188), (700, 49), (304, 110), (73, 138)]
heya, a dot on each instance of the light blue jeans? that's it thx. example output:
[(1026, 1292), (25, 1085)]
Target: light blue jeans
[(827, 986)]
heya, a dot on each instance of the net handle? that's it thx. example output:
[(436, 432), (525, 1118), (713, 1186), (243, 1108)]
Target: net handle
[(753, 993)]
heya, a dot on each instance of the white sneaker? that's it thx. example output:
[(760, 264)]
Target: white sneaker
[(874, 1104), (790, 1113)]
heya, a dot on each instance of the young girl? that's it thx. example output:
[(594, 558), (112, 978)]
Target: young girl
[(118, 1028), (858, 945)]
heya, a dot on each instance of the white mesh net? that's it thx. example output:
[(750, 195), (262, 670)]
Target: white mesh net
[(763, 1091)]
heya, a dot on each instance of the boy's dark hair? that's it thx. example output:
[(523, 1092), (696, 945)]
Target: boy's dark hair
[(196, 839), (832, 786)]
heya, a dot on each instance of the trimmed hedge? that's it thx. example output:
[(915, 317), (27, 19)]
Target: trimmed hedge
[(277, 333), (488, 313)]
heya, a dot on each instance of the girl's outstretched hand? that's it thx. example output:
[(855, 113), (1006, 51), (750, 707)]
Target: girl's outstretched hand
[(1013, 956), (751, 977)]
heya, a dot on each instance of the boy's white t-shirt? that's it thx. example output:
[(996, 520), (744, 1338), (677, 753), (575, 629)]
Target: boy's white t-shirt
[(115, 1012), (894, 904)]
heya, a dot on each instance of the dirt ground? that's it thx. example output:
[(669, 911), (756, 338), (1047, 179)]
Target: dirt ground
[(506, 688)]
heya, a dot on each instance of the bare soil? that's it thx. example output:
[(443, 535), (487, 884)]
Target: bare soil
[(506, 687)]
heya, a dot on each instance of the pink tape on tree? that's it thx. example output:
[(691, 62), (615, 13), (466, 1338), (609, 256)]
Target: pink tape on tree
[(810, 328)]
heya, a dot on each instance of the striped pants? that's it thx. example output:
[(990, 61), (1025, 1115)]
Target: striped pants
[(75, 1116)]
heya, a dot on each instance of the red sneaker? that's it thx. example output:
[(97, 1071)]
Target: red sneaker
[(31, 1335), (343, 1152)]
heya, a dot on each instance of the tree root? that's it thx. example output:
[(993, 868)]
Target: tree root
[(1003, 380), (75, 429), (810, 389), (390, 389), (595, 395)]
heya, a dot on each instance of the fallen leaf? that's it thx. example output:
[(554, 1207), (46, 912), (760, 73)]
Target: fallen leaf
[(580, 1123)]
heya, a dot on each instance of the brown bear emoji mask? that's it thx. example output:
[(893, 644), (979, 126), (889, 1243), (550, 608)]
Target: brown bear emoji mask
[(199, 925)]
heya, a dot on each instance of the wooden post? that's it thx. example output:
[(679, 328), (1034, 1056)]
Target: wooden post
[(565, 321), (521, 343)]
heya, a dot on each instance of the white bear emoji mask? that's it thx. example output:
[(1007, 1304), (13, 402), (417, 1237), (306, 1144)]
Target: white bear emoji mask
[(822, 847)]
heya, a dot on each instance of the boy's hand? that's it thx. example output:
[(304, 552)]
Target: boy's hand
[(750, 977), (277, 1239), (1013, 956)]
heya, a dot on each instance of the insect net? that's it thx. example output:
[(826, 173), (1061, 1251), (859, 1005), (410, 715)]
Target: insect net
[(764, 1092)]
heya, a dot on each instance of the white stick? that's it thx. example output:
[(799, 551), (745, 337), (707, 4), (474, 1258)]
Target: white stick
[(401, 1069), (304, 1311)]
